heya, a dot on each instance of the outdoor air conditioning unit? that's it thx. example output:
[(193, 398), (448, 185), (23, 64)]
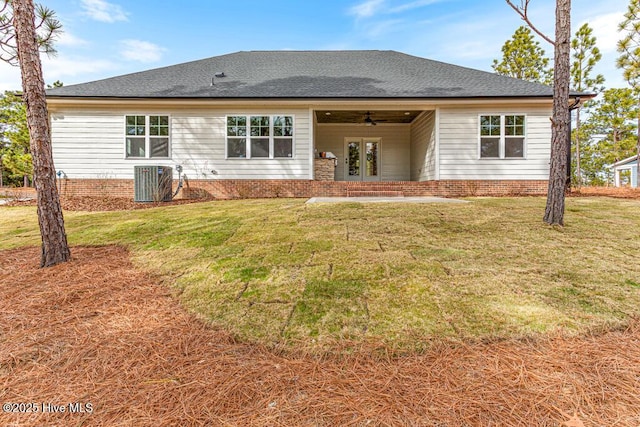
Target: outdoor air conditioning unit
[(152, 183)]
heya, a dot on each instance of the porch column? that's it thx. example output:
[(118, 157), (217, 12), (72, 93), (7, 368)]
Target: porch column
[(616, 177), (325, 169)]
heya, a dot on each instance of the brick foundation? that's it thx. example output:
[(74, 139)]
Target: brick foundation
[(246, 189)]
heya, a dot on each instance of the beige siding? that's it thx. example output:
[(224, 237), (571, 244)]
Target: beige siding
[(90, 144), (394, 147), (315, 136), (423, 147), (459, 153)]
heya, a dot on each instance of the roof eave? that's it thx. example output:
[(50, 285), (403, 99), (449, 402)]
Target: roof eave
[(296, 98), (625, 161), (57, 103)]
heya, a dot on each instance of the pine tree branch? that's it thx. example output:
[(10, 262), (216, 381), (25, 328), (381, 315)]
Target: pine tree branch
[(47, 27), (523, 10)]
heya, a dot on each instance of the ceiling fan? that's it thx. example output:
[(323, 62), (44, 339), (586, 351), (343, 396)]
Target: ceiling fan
[(368, 121)]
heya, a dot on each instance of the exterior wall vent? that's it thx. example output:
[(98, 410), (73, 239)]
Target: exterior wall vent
[(152, 183)]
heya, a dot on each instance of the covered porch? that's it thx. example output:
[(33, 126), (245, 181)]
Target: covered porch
[(375, 145), (625, 172)]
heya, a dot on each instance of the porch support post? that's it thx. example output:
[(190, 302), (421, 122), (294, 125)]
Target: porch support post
[(437, 150), (312, 144)]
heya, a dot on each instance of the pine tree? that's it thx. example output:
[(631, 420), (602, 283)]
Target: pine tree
[(21, 41), (585, 56), (629, 59), (57, 83), (561, 117), (523, 58), (594, 171), (613, 118), (16, 159)]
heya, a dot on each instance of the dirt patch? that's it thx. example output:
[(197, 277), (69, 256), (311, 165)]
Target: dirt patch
[(97, 330)]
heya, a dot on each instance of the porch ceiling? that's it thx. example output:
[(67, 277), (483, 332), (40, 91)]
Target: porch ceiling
[(358, 116)]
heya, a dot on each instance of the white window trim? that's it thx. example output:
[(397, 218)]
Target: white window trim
[(147, 136), (501, 147), (271, 137)]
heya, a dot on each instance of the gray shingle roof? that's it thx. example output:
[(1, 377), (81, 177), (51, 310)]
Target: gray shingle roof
[(309, 74)]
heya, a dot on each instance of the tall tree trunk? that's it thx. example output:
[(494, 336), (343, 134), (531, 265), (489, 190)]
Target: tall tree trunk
[(55, 249), (638, 148), (578, 171), (554, 212)]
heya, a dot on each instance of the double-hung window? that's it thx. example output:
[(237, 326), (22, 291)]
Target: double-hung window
[(259, 137), (147, 137), (237, 136), (502, 136), (283, 136)]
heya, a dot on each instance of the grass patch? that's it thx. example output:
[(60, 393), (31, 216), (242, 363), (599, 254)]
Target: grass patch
[(276, 271)]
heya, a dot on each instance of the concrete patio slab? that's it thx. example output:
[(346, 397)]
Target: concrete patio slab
[(384, 200)]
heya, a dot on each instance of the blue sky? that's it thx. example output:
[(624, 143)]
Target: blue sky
[(105, 38)]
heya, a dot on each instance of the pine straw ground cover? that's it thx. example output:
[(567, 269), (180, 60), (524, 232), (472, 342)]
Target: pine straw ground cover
[(617, 192), (98, 330), (103, 204)]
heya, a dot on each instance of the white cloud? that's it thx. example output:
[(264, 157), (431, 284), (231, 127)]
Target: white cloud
[(68, 68), (141, 51), (9, 77), (68, 39), (103, 11), (373, 18), (605, 29), (383, 28), (370, 8), (367, 9), (412, 5)]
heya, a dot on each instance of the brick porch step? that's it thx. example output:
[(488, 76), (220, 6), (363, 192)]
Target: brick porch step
[(374, 186), (374, 193)]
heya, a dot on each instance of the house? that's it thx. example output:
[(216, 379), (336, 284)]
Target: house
[(253, 124), (629, 164)]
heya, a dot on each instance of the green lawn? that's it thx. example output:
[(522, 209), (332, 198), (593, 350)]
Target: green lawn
[(279, 271)]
